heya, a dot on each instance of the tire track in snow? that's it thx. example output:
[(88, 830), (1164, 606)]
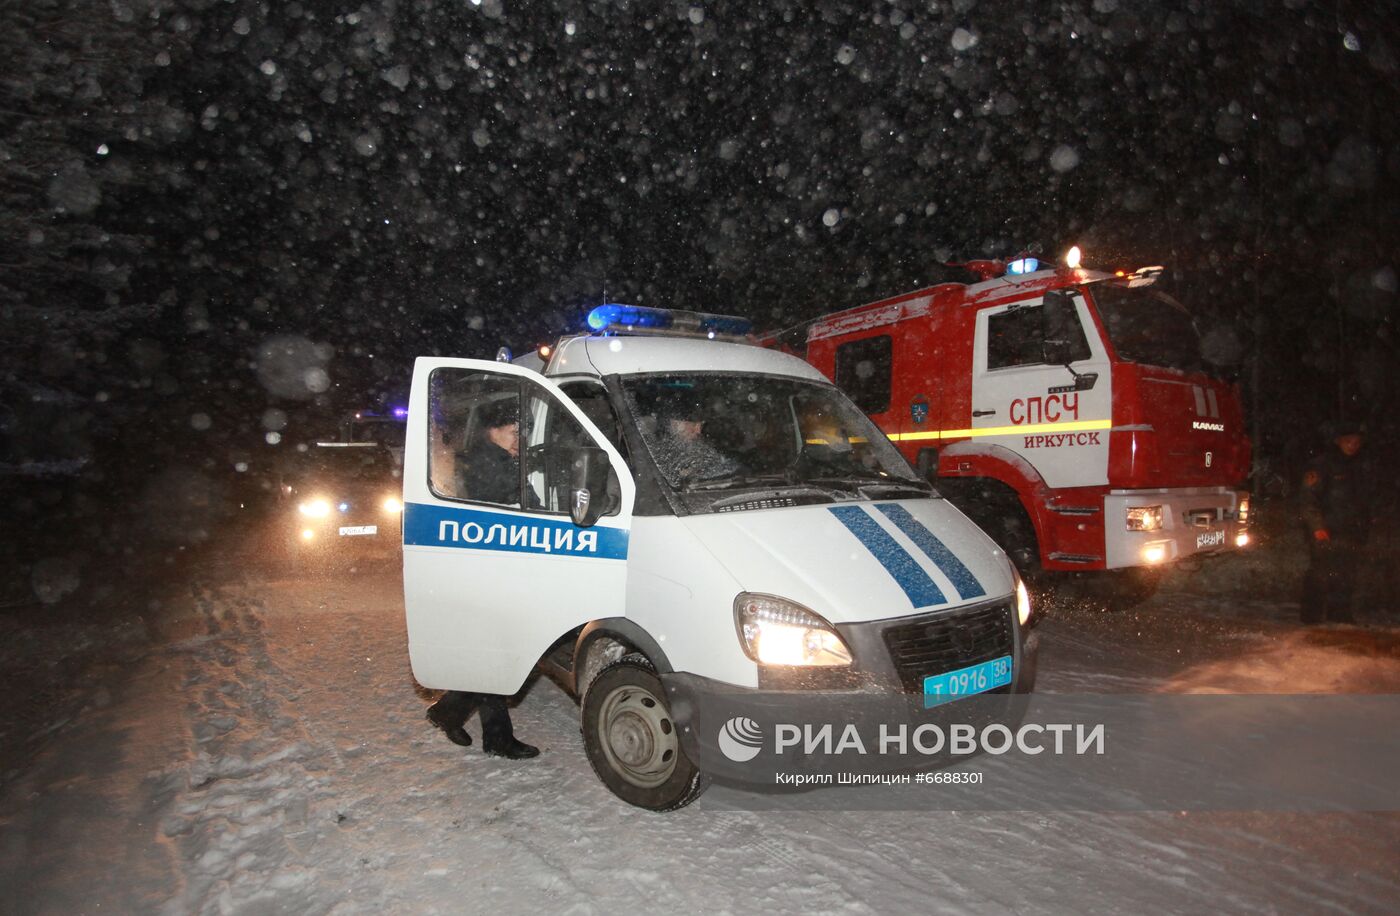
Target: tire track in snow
[(240, 810)]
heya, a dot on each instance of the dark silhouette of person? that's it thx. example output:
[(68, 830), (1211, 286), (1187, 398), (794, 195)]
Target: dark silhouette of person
[(1338, 500), (489, 471)]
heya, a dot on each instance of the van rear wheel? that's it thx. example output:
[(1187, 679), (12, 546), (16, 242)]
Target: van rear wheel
[(631, 740)]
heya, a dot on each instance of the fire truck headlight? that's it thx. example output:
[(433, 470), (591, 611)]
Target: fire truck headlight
[(391, 505), (1242, 539), (774, 631), (1153, 554), (1144, 518), (315, 508)]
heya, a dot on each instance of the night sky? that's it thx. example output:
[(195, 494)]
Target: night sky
[(228, 219)]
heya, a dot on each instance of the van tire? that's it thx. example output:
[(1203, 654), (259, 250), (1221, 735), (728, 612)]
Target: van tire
[(631, 741)]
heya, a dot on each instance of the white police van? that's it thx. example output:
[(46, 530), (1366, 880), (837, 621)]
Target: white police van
[(690, 514)]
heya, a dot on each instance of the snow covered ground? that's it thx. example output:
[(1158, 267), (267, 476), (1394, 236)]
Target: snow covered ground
[(259, 746)]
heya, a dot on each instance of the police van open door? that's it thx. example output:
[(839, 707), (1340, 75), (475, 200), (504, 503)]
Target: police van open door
[(516, 519)]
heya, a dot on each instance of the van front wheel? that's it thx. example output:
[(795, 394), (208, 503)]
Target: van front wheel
[(631, 740)]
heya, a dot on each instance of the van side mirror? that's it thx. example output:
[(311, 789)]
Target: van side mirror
[(1059, 327), (588, 488)]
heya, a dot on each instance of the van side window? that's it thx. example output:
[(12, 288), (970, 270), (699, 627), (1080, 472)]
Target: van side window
[(592, 398), (551, 440), (863, 372), (474, 436), (1014, 338)]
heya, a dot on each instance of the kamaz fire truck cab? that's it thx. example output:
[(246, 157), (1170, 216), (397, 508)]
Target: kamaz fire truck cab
[(694, 522), (1068, 412)]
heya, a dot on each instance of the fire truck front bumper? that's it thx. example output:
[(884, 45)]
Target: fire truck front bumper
[(1156, 527)]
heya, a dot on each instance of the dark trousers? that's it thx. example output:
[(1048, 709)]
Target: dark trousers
[(1330, 583), (457, 706)]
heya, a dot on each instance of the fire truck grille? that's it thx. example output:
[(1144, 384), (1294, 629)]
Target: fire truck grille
[(947, 642)]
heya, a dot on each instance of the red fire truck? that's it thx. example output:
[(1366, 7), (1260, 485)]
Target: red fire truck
[(1066, 411)]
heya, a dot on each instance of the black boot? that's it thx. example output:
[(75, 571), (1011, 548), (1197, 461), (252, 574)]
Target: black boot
[(450, 714), (498, 736), (512, 749)]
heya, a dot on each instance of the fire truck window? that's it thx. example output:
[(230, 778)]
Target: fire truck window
[(863, 372), (1014, 338)]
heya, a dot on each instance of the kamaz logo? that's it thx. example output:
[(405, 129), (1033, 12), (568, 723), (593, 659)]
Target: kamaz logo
[(1213, 427)]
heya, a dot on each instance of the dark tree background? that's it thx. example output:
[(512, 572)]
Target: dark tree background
[(226, 223)]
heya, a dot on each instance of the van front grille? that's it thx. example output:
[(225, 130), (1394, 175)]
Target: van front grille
[(947, 641)]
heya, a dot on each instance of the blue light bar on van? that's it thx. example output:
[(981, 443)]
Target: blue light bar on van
[(1023, 266), (615, 317)]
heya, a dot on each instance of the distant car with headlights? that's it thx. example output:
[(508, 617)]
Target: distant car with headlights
[(343, 497), (660, 520)]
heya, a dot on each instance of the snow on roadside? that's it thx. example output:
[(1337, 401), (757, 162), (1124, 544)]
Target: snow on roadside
[(237, 807)]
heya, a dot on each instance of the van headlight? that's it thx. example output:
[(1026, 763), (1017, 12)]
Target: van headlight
[(775, 631), (316, 508), (1023, 600)]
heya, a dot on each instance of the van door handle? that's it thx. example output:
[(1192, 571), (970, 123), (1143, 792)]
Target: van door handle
[(983, 413)]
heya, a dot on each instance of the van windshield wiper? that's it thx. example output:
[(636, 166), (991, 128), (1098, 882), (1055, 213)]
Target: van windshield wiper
[(784, 495), (862, 478), (867, 481), (887, 488), (741, 480)]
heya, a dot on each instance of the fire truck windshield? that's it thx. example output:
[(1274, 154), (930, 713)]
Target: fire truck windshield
[(717, 432), (1147, 327)]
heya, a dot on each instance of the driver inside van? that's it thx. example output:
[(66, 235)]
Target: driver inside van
[(682, 449), (489, 470)]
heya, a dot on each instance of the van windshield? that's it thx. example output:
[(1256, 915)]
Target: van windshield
[(714, 433)]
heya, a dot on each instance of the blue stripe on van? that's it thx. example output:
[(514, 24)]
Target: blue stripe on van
[(922, 590), (961, 577)]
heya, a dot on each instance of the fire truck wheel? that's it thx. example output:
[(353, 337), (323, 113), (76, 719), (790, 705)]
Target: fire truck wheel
[(1017, 538), (631, 740), (995, 508)]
